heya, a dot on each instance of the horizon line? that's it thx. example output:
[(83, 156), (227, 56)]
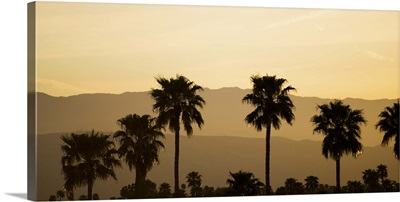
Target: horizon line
[(206, 88)]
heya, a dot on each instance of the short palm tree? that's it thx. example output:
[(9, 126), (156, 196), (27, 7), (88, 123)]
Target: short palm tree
[(164, 190), (382, 171), (341, 127), (371, 180), (86, 158), (176, 102), (311, 183), (355, 187), (293, 186), (140, 143), (194, 183), (272, 103), (389, 124), (244, 184)]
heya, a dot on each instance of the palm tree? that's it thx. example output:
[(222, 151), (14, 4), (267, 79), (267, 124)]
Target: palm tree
[(150, 189), (389, 124), (208, 191), (139, 145), (272, 103), (311, 183), (244, 184), (341, 127), (389, 186), (88, 157), (355, 187), (382, 172), (194, 183), (176, 102), (371, 180), (68, 172), (292, 186), (164, 190), (127, 192)]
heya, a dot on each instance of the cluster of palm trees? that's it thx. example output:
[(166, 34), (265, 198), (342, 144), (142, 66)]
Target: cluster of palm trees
[(372, 181), (375, 180), (91, 156), (336, 121), (243, 183), (240, 184)]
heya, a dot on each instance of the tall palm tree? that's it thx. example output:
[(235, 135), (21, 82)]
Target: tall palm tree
[(88, 157), (244, 184), (311, 183), (389, 124), (194, 183), (272, 103), (341, 127), (139, 145), (176, 102)]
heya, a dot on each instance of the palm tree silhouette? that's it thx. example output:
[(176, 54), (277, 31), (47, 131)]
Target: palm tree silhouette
[(88, 157), (69, 179), (389, 124), (371, 180), (341, 127), (244, 184), (311, 183), (194, 183), (139, 145), (177, 102), (355, 187), (164, 190), (382, 172), (272, 103), (293, 186)]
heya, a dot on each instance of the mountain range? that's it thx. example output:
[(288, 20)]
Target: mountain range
[(223, 114)]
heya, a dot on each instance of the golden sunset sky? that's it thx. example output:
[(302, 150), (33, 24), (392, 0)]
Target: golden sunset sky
[(116, 48)]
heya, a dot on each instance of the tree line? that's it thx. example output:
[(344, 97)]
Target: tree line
[(244, 183), (93, 156)]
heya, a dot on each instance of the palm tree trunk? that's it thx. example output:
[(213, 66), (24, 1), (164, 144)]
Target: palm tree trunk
[(90, 188), (139, 181), (176, 164), (338, 175), (267, 160)]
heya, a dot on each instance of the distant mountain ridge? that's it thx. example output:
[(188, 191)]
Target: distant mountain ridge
[(223, 113)]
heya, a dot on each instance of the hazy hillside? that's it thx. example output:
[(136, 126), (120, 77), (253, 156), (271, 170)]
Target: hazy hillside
[(223, 114), (214, 157)]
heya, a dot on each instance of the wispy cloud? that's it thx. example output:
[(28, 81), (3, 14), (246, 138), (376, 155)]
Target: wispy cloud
[(318, 27), (374, 55), (300, 18)]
